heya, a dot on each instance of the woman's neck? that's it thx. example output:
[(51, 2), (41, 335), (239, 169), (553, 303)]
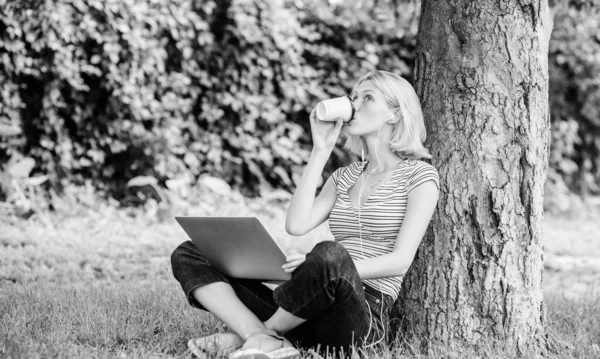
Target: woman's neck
[(382, 158)]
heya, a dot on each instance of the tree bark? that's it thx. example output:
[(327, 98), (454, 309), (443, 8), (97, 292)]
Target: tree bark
[(482, 76)]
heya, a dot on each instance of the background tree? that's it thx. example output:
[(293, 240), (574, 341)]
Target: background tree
[(482, 75)]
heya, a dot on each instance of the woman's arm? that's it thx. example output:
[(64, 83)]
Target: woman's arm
[(305, 212), (419, 210)]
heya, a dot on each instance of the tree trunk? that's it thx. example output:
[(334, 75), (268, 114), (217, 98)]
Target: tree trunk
[(482, 77)]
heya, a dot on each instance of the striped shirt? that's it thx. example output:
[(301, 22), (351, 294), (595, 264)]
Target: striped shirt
[(380, 216)]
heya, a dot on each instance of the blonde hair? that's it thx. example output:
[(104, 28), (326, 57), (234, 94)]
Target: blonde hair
[(408, 132)]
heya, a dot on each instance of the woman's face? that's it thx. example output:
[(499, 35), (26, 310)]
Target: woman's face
[(372, 110)]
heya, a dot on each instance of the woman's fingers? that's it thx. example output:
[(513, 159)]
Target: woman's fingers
[(338, 125), (295, 256), (293, 261), (312, 116), (337, 128), (325, 133), (292, 264), (290, 269)]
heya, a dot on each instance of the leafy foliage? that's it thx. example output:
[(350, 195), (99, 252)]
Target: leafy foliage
[(112, 90), (574, 67), (105, 91)]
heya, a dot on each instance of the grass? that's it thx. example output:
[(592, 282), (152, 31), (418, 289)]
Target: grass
[(151, 319), (573, 325), (100, 286), (99, 320)]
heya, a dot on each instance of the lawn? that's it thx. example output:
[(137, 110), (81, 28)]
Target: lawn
[(97, 283)]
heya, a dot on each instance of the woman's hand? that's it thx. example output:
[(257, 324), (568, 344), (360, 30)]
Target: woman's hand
[(324, 133), (293, 261)]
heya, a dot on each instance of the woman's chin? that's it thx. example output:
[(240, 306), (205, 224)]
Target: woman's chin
[(355, 132), (351, 130)]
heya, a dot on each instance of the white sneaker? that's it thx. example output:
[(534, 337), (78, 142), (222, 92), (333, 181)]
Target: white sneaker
[(217, 343), (287, 350)]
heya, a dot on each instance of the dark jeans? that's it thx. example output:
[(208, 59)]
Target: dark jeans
[(326, 290)]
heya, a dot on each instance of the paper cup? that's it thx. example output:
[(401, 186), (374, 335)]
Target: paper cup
[(334, 108)]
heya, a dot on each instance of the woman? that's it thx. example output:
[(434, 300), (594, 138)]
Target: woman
[(379, 208)]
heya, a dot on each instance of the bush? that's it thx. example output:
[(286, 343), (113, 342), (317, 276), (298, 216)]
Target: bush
[(109, 91), (574, 67), (105, 92)]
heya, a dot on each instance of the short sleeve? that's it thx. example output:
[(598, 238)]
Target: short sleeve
[(423, 172), (335, 176)]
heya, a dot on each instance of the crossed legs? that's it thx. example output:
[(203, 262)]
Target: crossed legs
[(323, 303), (220, 299)]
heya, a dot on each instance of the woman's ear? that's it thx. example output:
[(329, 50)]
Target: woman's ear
[(396, 118)]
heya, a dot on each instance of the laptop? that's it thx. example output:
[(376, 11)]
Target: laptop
[(239, 247)]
